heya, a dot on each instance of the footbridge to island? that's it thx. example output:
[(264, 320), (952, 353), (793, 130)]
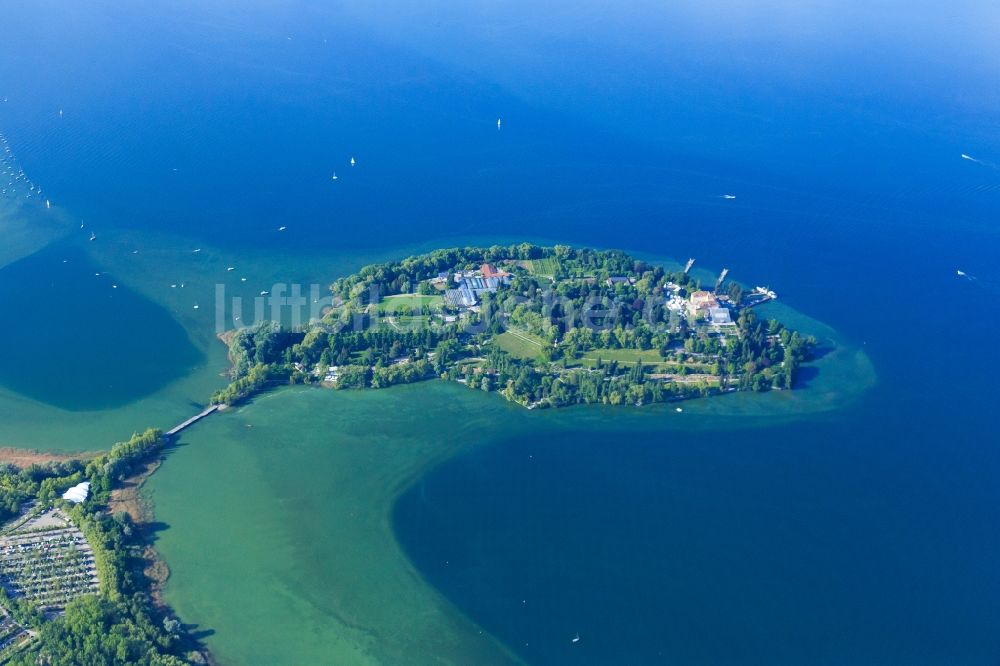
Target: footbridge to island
[(176, 430)]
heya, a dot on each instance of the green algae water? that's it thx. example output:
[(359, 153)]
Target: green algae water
[(276, 525)]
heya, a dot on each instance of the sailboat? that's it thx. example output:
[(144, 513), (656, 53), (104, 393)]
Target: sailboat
[(353, 162), (334, 176), (93, 236), (498, 123)]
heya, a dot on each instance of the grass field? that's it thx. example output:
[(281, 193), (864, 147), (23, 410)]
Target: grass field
[(649, 358), (519, 344), (395, 303), (410, 323)]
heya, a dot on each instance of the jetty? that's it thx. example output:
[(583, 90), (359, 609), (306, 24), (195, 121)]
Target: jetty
[(194, 419)]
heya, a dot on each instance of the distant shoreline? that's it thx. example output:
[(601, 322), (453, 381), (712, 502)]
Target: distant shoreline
[(27, 457)]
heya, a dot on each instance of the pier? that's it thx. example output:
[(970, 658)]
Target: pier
[(194, 419)]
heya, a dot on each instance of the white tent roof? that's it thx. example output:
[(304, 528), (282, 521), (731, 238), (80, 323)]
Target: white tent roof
[(77, 493)]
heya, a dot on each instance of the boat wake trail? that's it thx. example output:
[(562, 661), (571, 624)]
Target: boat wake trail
[(987, 284), (970, 158)]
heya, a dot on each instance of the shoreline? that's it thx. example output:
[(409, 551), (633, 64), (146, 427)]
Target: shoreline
[(127, 498)]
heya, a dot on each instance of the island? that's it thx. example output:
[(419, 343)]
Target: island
[(541, 326)]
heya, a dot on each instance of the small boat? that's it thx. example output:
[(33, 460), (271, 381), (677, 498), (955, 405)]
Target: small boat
[(498, 123), (282, 228), (93, 236), (353, 162), (576, 639), (728, 196), (960, 273), (264, 293), (196, 307), (48, 204), (196, 250), (230, 269), (679, 409), (334, 176)]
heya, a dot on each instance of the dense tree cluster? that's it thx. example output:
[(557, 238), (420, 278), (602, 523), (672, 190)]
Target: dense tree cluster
[(403, 276), (97, 631), (260, 344), (610, 383), (252, 381), (370, 346), (17, 485)]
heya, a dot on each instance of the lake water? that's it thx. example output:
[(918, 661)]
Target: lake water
[(853, 522)]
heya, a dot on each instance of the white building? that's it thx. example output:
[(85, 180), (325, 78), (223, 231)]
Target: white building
[(77, 493)]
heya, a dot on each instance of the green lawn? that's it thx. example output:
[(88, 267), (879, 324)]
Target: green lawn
[(392, 304), (649, 358), (410, 323), (519, 344)]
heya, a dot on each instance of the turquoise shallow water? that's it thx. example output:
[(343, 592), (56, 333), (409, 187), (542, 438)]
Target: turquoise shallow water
[(303, 566)]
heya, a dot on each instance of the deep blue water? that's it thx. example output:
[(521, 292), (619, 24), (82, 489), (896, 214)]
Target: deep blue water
[(80, 340), (866, 536), (809, 544)]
